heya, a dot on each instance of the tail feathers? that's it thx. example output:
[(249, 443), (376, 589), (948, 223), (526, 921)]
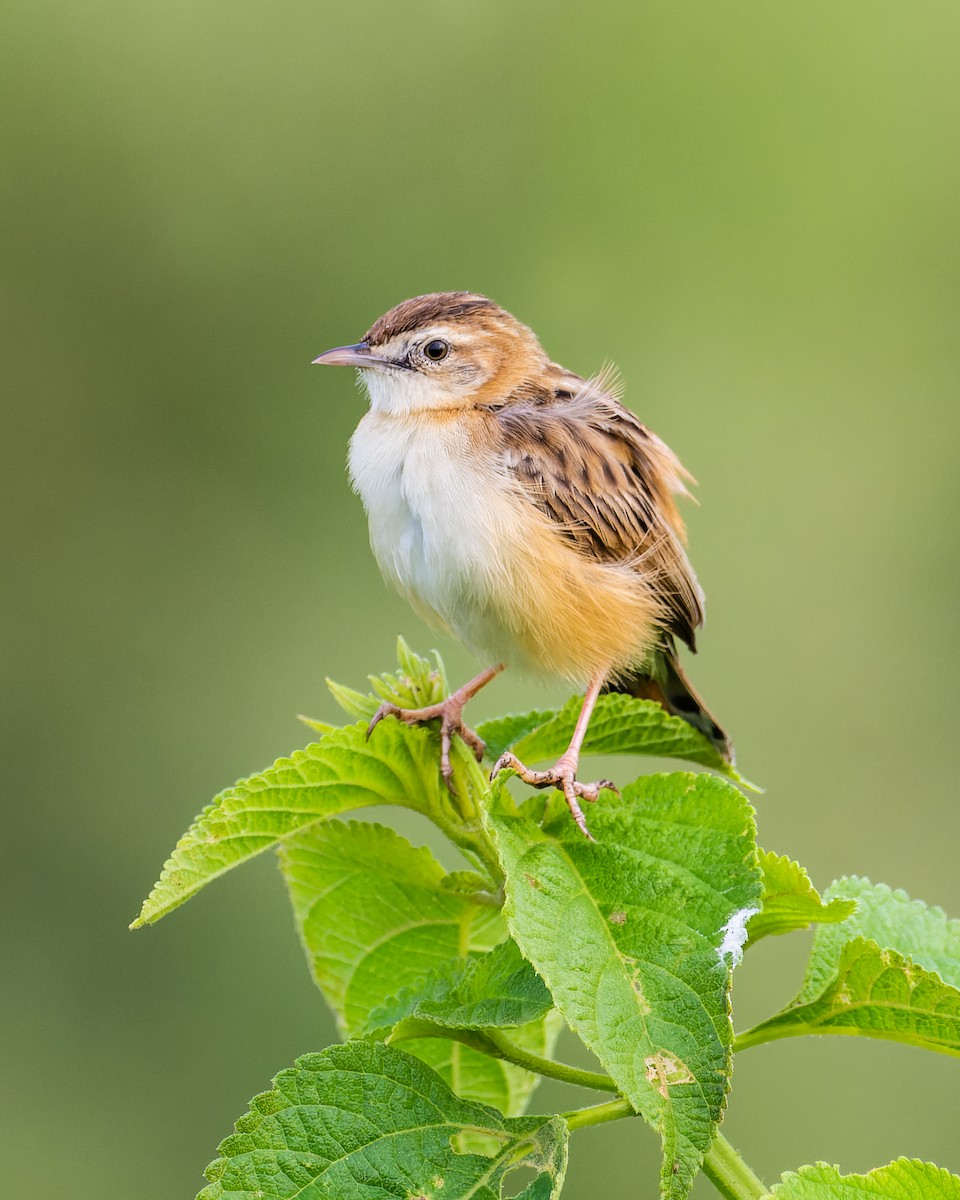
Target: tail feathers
[(667, 684)]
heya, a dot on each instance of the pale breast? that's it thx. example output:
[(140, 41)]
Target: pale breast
[(436, 519), (452, 531)]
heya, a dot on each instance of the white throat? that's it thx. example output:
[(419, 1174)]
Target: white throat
[(401, 392)]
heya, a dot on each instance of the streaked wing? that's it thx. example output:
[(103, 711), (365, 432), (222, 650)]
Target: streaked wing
[(608, 482)]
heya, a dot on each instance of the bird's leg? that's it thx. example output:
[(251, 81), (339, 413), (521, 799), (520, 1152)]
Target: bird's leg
[(450, 712), (563, 773)]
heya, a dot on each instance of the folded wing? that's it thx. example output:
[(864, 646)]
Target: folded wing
[(608, 483)]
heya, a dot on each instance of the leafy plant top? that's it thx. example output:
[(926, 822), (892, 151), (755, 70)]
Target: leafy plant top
[(450, 987)]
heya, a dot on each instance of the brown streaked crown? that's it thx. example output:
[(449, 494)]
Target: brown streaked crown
[(422, 310)]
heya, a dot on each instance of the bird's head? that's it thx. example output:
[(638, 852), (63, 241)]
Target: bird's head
[(443, 350)]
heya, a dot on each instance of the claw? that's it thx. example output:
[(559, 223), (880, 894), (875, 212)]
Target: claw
[(450, 714), (385, 710), (476, 743), (562, 775)]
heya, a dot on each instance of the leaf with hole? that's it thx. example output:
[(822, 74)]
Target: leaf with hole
[(635, 936), (367, 1121)]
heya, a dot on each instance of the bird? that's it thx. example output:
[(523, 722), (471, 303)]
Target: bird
[(525, 510)]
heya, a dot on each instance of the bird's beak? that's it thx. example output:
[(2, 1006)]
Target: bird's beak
[(350, 356)]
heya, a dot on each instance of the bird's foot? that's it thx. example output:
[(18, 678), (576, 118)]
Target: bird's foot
[(563, 776), (450, 714)]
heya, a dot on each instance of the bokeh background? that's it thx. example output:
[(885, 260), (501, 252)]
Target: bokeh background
[(752, 208)]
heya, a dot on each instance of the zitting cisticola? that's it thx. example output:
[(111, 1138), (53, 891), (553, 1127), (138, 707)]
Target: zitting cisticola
[(525, 510)]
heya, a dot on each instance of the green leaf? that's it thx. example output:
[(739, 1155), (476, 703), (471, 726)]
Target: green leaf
[(374, 915), (790, 901), (355, 704), (498, 990), (619, 725), (875, 993), (416, 684), (344, 770), (503, 733), (473, 1074), (905, 1179), (891, 970), (321, 727), (635, 936), (376, 919), (890, 918), (400, 1006), (367, 1121), (495, 990), (466, 883)]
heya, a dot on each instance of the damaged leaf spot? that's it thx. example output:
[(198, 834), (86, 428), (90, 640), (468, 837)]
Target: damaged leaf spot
[(618, 918), (665, 1071), (532, 880), (643, 1003)]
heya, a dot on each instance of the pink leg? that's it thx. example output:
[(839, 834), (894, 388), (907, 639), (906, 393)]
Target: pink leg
[(563, 774), (450, 712), (572, 752)]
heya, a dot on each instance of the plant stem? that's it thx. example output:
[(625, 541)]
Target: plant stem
[(771, 1031), (612, 1110), (458, 814), (485, 855), (743, 1041), (470, 838), (729, 1174), (503, 1048)]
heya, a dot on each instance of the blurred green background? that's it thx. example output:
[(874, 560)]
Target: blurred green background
[(751, 207)]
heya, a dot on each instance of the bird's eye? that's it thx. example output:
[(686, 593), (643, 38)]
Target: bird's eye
[(436, 350)]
